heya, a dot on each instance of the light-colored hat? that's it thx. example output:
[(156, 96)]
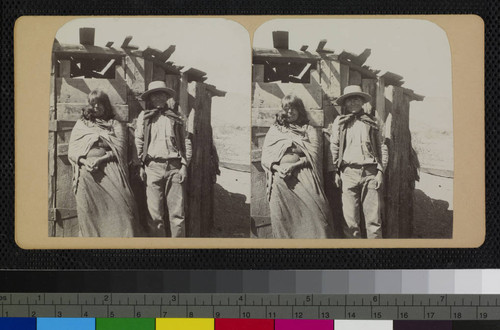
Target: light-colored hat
[(353, 90), (156, 86)]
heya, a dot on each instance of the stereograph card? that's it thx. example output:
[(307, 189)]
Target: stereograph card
[(249, 132)]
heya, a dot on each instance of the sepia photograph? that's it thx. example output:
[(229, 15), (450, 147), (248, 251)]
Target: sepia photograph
[(352, 129), (149, 129)]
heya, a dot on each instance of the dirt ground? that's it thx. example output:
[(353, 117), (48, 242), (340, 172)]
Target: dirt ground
[(433, 207), (232, 204)]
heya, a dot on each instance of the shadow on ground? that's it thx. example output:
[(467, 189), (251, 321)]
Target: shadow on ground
[(432, 219), (231, 214)]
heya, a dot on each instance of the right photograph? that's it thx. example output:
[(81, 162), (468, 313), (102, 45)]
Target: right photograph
[(352, 130)]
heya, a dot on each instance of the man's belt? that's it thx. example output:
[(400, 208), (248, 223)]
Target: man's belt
[(358, 166), (160, 159)]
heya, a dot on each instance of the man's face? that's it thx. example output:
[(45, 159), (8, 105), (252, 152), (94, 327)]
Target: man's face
[(158, 99), (354, 104)]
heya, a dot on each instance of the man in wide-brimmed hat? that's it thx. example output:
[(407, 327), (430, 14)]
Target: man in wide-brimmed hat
[(165, 154), (359, 159)]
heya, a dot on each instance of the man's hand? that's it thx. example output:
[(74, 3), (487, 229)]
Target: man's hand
[(337, 180), (171, 103), (182, 174), (142, 174), (379, 178)]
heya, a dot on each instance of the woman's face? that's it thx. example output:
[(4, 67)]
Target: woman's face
[(99, 110), (292, 113)]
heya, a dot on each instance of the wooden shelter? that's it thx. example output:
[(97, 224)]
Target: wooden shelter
[(124, 73), (319, 77)]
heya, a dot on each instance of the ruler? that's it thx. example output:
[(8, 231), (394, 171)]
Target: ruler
[(255, 306)]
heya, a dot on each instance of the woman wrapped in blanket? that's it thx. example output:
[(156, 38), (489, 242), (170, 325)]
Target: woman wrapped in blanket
[(98, 153), (290, 158)]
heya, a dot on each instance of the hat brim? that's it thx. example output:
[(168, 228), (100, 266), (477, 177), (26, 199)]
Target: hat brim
[(167, 90), (367, 97)]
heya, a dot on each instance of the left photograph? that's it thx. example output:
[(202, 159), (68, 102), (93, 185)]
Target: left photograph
[(149, 129)]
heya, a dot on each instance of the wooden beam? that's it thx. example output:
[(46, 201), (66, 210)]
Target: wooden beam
[(286, 55), (195, 75), (413, 96), (355, 59), (304, 48), (214, 91), (361, 59), (109, 44), (126, 41), (365, 72), (280, 39), (321, 45), (66, 50), (87, 36), (165, 55), (393, 79)]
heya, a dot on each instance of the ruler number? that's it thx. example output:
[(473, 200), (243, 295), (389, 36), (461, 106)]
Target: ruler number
[(375, 299), (59, 314), (246, 315), (308, 298), (111, 314), (442, 298), (377, 315), (325, 315), (106, 297), (351, 315), (191, 314), (33, 314), (271, 315), (174, 297), (299, 315), (483, 315), (217, 314), (457, 315), (430, 315), (86, 314), (138, 314), (403, 315), (164, 314)]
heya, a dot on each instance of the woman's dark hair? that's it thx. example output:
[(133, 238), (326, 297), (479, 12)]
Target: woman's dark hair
[(95, 97), (292, 101)]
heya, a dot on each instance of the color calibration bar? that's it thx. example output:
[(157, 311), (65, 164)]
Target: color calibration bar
[(447, 281), (236, 324)]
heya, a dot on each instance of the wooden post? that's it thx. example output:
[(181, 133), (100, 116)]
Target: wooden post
[(258, 72), (344, 76), (399, 207), (158, 73), (200, 187), (184, 96), (369, 86), (64, 68), (354, 77)]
